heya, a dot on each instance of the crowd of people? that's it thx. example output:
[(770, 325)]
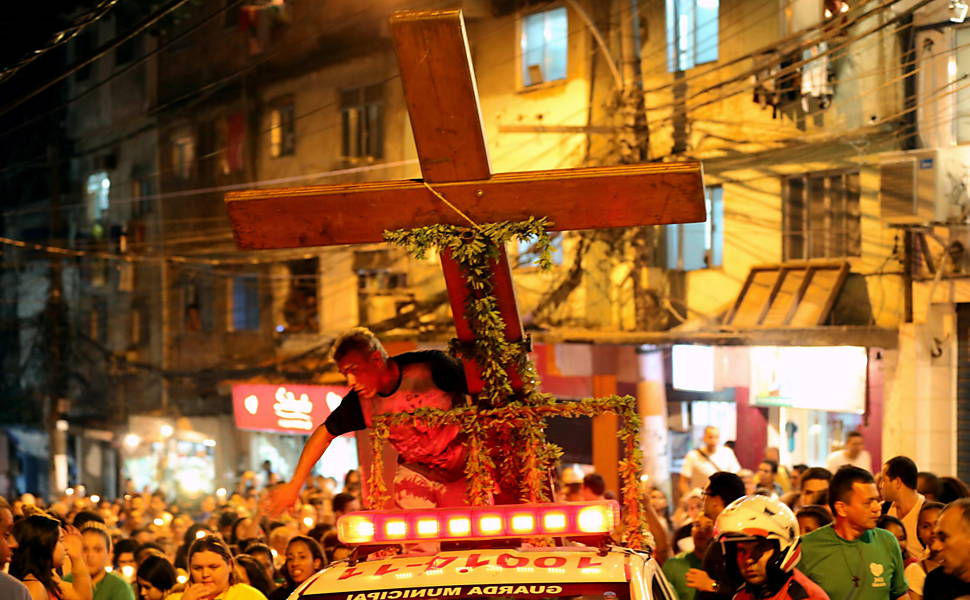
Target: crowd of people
[(144, 545), (848, 530)]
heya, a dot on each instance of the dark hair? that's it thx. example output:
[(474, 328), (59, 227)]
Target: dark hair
[(211, 543), (254, 546), (150, 548), (904, 469), (319, 530), (227, 518), (595, 483), (256, 574), (315, 549), (841, 484), (233, 537), (341, 500), (726, 486), (800, 468), (37, 536), (952, 489), (886, 520), (122, 546), (99, 528), (772, 464), (86, 516), (818, 512), (931, 483), (931, 506), (158, 571), (816, 473), (852, 434)]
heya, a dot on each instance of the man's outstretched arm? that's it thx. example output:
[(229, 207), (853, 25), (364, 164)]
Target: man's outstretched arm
[(284, 496)]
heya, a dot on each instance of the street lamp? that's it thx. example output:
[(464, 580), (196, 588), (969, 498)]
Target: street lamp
[(132, 440), (167, 430)]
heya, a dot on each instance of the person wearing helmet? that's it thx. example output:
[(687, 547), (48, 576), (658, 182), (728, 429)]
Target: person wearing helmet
[(761, 545)]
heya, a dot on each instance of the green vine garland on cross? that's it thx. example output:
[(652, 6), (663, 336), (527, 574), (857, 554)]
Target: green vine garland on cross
[(506, 434)]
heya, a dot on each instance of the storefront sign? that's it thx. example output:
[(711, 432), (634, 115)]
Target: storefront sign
[(829, 378), (284, 408)]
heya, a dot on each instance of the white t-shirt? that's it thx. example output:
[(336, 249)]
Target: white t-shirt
[(913, 547), (915, 577), (699, 466), (839, 458)]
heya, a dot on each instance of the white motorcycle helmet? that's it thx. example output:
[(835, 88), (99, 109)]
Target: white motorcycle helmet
[(755, 518)]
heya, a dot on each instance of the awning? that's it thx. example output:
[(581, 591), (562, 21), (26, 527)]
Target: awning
[(798, 294)]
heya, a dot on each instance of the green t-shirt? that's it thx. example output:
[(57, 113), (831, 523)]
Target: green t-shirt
[(111, 587), (868, 568), (675, 569)]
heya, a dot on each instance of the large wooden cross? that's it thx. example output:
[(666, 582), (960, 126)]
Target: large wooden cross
[(442, 101)]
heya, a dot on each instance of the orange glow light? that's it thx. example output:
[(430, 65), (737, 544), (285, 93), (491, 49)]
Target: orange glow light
[(593, 519), (554, 522), (459, 526), (523, 523), (427, 527), (396, 528), (490, 525)]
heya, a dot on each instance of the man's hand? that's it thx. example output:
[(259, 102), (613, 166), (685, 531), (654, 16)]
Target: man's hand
[(281, 498), (72, 544), (700, 580)]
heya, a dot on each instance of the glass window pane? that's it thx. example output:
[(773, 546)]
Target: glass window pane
[(673, 246), (706, 38), (853, 216), (715, 219), (533, 30), (794, 223), (694, 246), (816, 226), (557, 38)]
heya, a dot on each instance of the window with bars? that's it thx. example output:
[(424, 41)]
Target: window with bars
[(693, 246), (245, 303), (692, 33), (282, 131), (544, 46), (821, 216), (362, 122)]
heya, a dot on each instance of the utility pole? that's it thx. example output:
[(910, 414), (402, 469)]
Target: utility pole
[(55, 323)]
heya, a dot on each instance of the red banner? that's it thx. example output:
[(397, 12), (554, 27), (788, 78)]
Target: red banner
[(284, 408)]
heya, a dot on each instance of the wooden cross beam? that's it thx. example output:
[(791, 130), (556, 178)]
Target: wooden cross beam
[(442, 101)]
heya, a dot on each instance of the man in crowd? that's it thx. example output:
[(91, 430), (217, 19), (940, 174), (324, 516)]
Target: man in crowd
[(594, 487), (851, 558), (854, 453), (760, 540), (432, 459), (10, 588), (767, 472), (712, 580), (700, 463), (897, 484), (676, 568), (814, 486), (951, 543), (344, 503)]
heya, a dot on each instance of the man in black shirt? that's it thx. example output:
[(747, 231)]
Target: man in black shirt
[(431, 459), (952, 543)]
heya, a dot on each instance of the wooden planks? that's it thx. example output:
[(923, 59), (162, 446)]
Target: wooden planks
[(441, 95), (600, 197)]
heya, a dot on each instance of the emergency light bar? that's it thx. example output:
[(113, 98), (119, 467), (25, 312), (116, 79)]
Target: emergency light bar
[(478, 522)]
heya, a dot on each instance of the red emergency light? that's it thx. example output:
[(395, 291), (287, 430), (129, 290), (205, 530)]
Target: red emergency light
[(478, 522)]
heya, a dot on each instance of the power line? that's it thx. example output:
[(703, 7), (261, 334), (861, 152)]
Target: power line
[(144, 25)]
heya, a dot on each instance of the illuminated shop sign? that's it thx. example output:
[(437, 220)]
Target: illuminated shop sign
[(284, 408), (829, 378)]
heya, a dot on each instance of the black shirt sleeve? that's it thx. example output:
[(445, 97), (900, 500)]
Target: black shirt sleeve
[(446, 372), (346, 417)]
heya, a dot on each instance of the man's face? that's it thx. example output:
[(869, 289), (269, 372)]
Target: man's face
[(713, 505), (701, 531), (887, 486), (352, 506), (753, 560), (862, 508), (811, 489), (711, 437), (765, 476), (7, 541), (363, 372), (853, 446), (952, 544)]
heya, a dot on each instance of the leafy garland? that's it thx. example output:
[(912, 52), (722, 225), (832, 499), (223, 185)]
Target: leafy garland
[(506, 432)]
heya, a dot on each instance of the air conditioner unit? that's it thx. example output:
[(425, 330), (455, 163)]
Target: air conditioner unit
[(919, 187)]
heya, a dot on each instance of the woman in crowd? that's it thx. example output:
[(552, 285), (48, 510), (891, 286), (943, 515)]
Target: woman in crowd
[(896, 527), (304, 557), (916, 572), (812, 517), (155, 577), (250, 571), (211, 574), (41, 547)]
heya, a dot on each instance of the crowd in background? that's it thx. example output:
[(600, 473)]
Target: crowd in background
[(147, 546)]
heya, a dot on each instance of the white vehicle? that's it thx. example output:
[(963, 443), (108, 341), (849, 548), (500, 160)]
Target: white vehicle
[(493, 564)]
